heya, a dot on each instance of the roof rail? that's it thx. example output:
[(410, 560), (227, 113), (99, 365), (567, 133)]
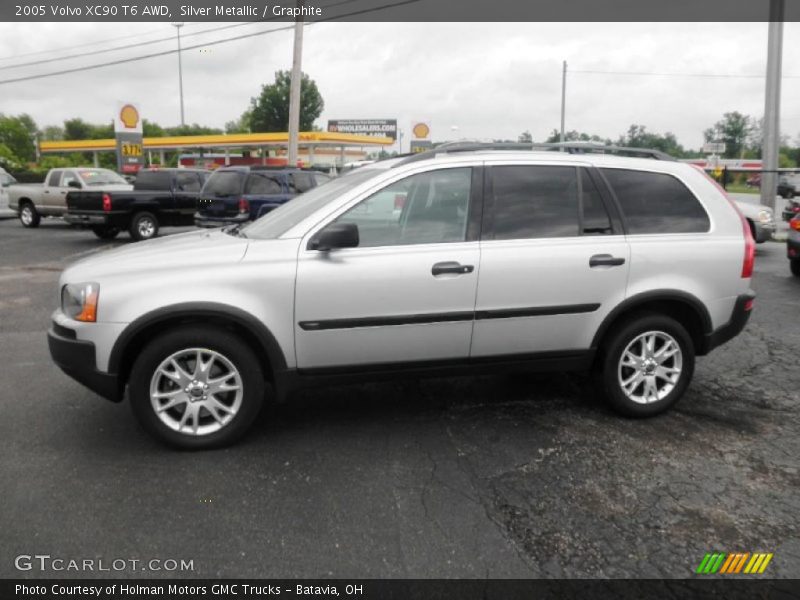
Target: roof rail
[(569, 147)]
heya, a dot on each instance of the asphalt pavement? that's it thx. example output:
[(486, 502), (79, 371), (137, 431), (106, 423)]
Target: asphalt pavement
[(492, 476)]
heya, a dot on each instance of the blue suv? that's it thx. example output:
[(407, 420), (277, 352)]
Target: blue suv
[(240, 194)]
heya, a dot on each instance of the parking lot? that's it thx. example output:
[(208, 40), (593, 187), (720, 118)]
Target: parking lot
[(493, 476)]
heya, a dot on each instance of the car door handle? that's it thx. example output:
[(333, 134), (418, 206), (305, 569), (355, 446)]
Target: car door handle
[(451, 267), (605, 260)]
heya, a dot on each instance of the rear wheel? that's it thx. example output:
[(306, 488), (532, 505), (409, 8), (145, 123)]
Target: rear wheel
[(196, 387), (28, 215), (647, 364), (794, 265), (144, 226), (106, 233)]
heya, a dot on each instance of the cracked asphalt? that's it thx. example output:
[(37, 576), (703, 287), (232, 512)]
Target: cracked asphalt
[(495, 476)]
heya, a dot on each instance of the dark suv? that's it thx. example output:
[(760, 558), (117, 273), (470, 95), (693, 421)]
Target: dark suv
[(241, 194)]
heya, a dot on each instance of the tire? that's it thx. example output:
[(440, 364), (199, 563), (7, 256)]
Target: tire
[(106, 233), (144, 226), (794, 265), (629, 336), (28, 215), (220, 418)]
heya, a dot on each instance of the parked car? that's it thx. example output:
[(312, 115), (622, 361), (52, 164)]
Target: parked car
[(496, 260), (793, 245), (241, 194), (6, 180), (159, 197), (760, 219), (790, 210), (788, 186), (33, 201)]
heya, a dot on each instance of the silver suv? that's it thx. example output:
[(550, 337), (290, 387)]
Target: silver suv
[(456, 260)]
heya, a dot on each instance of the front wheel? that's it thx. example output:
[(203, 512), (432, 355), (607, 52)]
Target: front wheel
[(196, 387), (794, 265), (29, 216), (647, 365), (144, 226), (106, 233)]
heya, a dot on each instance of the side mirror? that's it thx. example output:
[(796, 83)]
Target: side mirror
[(75, 184), (336, 235)]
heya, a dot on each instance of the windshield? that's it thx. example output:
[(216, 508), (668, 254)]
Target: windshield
[(282, 219), (101, 177)]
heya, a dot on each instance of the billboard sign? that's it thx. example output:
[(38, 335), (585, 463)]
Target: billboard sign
[(371, 127), (130, 143)]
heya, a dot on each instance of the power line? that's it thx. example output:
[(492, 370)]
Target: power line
[(94, 43), (116, 48), (700, 75), (196, 46)]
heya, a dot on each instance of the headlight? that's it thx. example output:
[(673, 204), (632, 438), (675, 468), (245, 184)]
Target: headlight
[(79, 301), (765, 216)]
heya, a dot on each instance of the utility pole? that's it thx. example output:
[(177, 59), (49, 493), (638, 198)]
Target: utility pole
[(772, 107), (563, 100), (294, 90), (177, 27)]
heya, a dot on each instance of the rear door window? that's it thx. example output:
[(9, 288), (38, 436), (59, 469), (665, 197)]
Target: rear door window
[(263, 184), (535, 202), (594, 216), (55, 178), (656, 202), (224, 183)]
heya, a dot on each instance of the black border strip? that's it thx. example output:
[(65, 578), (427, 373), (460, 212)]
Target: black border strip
[(506, 313)]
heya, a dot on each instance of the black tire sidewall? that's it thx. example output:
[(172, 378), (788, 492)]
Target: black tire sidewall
[(616, 345), (35, 216), (205, 337), (134, 227)]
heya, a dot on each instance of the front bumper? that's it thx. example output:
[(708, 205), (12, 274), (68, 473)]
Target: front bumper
[(764, 231), (201, 220), (739, 317), (77, 359)]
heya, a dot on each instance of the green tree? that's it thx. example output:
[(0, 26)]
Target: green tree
[(240, 125), (18, 135), (9, 160), (193, 129), (270, 111), (525, 137), (575, 136), (735, 130), (638, 137), (52, 133)]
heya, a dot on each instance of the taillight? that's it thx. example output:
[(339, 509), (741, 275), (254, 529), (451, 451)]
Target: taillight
[(749, 248), (749, 243), (106, 203), (795, 223), (244, 205)]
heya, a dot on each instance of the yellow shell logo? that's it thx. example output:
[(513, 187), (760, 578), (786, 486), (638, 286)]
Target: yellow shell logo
[(129, 116), (421, 130)]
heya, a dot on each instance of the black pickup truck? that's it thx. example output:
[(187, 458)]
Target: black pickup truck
[(159, 197)]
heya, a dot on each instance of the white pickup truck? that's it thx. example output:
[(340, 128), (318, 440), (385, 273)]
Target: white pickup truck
[(33, 201), (5, 182)]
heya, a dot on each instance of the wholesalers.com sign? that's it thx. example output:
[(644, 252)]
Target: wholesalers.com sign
[(370, 127)]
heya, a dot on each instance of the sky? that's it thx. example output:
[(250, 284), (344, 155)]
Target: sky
[(468, 80)]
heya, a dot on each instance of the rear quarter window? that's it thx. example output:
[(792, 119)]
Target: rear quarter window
[(224, 183), (656, 202)]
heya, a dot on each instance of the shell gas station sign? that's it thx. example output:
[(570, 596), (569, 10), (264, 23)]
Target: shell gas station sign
[(128, 132), (421, 136)]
